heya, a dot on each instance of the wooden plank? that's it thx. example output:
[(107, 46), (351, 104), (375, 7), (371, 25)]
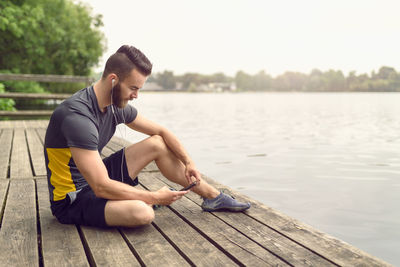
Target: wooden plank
[(151, 167), (278, 244), (41, 133), (36, 152), (23, 124), (18, 233), (36, 124), (106, 152), (323, 244), (45, 78), (5, 141), (312, 239), (25, 113), (152, 247), (188, 240), (115, 145), (229, 239), (61, 244), (191, 243), (3, 191), (5, 124), (12, 95), (255, 242), (108, 248), (20, 162), (198, 249)]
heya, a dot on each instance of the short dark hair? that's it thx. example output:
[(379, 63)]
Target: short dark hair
[(124, 60)]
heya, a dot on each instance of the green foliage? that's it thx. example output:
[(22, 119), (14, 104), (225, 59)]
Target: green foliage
[(49, 37), (166, 80), (385, 80), (6, 104)]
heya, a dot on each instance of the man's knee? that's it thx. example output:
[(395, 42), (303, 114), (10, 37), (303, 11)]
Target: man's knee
[(158, 143), (144, 214)]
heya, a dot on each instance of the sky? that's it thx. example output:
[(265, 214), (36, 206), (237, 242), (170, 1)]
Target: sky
[(211, 36)]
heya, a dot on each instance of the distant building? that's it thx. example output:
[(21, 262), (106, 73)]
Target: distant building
[(222, 87)]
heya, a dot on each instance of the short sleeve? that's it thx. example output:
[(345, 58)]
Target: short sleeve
[(128, 113), (80, 131)]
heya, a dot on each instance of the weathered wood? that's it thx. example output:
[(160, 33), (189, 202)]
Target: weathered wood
[(229, 239), (302, 234), (189, 241), (173, 227), (325, 245), (152, 247), (36, 152), (41, 133), (33, 96), (3, 191), (20, 162), (5, 141), (25, 113), (115, 144), (23, 124), (18, 233), (45, 78), (269, 239), (108, 247), (259, 237), (61, 244), (106, 152)]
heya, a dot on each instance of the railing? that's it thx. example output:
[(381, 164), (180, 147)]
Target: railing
[(38, 78), (46, 78)]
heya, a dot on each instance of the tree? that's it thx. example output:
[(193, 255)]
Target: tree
[(314, 81), (243, 81), (291, 81), (166, 80), (385, 73), (262, 81), (190, 80), (49, 37), (334, 81)]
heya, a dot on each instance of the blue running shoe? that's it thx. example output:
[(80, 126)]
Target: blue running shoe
[(224, 202)]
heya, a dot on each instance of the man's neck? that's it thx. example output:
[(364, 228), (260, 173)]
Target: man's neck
[(103, 94)]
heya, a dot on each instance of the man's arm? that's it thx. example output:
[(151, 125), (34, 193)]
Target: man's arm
[(93, 169), (149, 127)]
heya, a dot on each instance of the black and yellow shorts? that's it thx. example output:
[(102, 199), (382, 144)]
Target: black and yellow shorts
[(87, 208)]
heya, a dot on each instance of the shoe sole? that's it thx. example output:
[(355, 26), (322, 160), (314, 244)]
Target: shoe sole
[(226, 209)]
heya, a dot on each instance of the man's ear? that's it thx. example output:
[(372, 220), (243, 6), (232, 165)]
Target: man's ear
[(113, 77)]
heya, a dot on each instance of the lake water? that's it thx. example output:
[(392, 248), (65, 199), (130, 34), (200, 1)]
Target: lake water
[(331, 160)]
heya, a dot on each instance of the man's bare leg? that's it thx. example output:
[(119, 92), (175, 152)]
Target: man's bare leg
[(154, 148), (132, 213), (128, 213)]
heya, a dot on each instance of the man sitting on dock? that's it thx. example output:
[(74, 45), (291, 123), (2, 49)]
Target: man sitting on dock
[(86, 190)]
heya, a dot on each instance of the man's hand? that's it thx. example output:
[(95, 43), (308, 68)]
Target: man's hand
[(164, 196), (191, 171)]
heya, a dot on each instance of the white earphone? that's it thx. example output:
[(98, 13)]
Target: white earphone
[(112, 88)]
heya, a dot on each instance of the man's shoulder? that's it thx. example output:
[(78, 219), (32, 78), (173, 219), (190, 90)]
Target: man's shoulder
[(79, 103)]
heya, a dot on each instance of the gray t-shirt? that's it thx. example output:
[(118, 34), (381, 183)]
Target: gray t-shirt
[(78, 122)]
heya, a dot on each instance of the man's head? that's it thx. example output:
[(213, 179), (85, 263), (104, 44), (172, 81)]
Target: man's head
[(128, 67), (124, 60)]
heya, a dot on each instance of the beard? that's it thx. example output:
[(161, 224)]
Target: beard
[(116, 97)]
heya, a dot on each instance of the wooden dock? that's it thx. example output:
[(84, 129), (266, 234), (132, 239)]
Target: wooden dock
[(181, 234)]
